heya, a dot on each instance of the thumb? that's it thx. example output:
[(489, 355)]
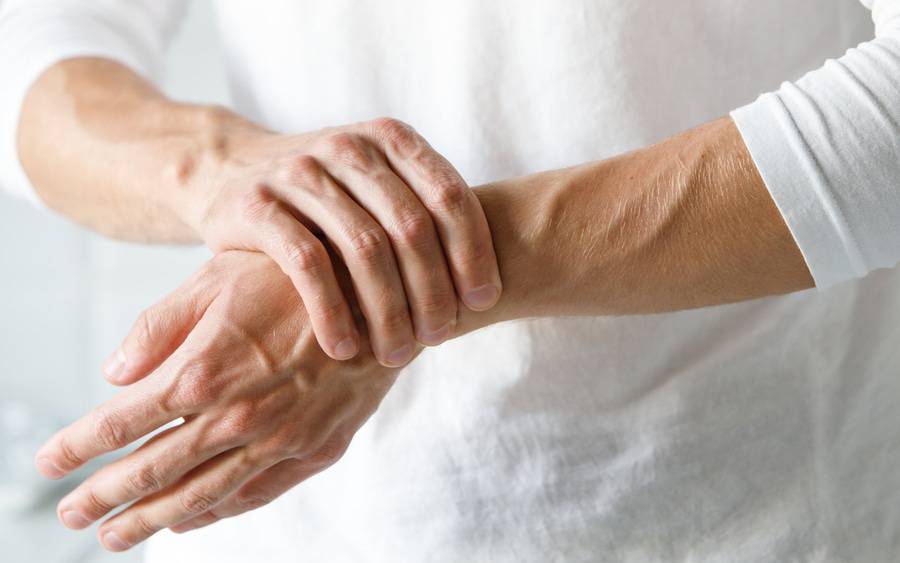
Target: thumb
[(157, 332)]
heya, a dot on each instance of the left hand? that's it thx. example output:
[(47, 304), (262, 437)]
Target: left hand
[(233, 353)]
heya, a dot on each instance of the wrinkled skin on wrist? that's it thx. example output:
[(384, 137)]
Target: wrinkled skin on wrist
[(231, 352)]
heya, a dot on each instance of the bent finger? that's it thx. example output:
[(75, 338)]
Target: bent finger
[(367, 252), (303, 258), (420, 257), (457, 213)]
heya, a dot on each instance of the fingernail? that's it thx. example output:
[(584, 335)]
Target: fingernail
[(482, 297), (346, 348), (48, 469), (75, 520), (114, 365), (438, 336), (113, 542), (399, 356)]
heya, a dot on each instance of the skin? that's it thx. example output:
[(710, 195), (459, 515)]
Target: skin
[(105, 148), (682, 224)]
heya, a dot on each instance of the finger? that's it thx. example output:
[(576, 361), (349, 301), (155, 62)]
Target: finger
[(160, 462), (304, 259), (265, 487), (373, 184), (366, 250), (258, 492), (197, 492), (157, 332), (135, 412), (457, 213)]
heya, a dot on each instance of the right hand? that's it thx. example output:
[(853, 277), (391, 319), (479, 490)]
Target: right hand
[(411, 232)]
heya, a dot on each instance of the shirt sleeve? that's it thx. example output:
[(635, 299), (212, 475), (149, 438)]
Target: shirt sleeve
[(828, 149), (35, 34)]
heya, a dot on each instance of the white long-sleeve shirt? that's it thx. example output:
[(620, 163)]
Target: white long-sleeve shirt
[(761, 431)]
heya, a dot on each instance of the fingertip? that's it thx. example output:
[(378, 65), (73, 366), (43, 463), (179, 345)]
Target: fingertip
[(114, 367), (124, 380), (399, 357), (121, 370), (47, 468), (346, 349), (482, 297), (112, 542), (438, 336), (73, 519)]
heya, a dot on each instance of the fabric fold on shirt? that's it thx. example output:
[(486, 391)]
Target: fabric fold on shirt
[(828, 149)]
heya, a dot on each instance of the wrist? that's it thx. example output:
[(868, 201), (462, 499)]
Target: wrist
[(521, 215), (205, 152)]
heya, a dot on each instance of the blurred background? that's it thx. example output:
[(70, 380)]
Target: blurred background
[(66, 298)]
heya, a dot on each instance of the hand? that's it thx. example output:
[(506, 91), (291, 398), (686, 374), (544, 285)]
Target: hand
[(263, 408), (393, 208), (412, 233)]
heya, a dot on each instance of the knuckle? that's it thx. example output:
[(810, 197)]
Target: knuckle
[(280, 445), (349, 150), (329, 454), (94, 505), (144, 526), (394, 321), (305, 256), (437, 303), (242, 419), (369, 245), (67, 456), (414, 230), (255, 204), (449, 194), (194, 385), (194, 501), (143, 480), (388, 125), (398, 136), (146, 329), (110, 431), (303, 170), (330, 311), (474, 254)]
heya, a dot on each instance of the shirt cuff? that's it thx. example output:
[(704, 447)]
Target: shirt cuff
[(800, 190)]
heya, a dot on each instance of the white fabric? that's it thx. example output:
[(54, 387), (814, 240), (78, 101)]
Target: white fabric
[(762, 431), (828, 147), (34, 34)]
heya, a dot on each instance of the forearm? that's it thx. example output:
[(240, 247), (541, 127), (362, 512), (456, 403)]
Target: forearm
[(105, 148), (686, 223)]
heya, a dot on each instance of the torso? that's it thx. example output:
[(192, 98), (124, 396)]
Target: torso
[(762, 431)]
